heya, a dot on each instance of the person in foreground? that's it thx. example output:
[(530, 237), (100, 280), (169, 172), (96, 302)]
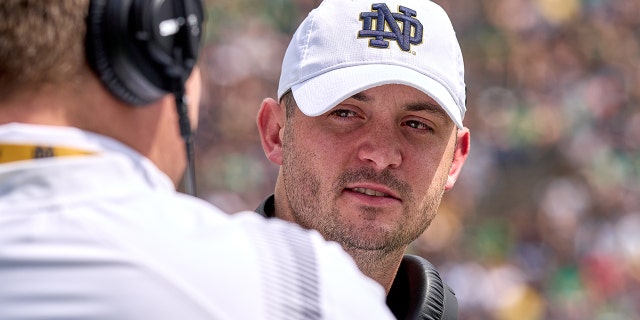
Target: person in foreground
[(91, 150), (368, 133)]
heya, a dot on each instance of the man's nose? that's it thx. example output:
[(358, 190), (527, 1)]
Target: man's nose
[(381, 147)]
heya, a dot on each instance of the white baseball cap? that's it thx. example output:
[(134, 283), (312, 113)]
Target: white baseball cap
[(344, 47)]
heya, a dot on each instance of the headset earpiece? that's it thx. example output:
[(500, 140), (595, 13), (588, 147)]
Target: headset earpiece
[(418, 292), (143, 49)]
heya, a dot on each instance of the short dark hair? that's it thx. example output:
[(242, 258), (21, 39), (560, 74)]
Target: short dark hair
[(290, 103)]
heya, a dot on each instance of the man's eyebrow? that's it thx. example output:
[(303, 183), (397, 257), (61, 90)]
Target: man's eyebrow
[(360, 96), (429, 107)]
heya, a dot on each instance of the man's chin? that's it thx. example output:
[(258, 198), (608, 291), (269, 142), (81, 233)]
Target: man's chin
[(370, 240)]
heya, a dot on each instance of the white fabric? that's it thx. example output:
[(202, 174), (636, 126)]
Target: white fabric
[(107, 237), (328, 61)]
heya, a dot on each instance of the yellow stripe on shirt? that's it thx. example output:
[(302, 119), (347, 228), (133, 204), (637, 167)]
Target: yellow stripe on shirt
[(20, 152)]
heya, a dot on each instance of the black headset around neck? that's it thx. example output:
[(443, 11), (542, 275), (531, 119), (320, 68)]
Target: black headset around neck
[(144, 49)]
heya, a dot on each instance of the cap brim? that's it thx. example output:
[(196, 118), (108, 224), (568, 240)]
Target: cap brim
[(323, 92)]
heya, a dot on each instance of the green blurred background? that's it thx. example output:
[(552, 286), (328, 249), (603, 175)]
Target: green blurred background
[(544, 222)]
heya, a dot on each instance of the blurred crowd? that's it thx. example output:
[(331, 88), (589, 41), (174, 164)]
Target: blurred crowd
[(544, 222)]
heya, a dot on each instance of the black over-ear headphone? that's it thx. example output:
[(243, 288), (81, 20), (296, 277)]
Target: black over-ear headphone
[(140, 48), (418, 292), (144, 49)]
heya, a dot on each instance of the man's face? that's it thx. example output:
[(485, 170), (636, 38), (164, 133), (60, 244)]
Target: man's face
[(370, 173)]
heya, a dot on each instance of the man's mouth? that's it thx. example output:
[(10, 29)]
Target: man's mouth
[(370, 192)]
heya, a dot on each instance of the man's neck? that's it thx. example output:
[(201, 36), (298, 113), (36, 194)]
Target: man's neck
[(378, 265)]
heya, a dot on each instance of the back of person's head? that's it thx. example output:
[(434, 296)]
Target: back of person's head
[(141, 50), (41, 43), (114, 67)]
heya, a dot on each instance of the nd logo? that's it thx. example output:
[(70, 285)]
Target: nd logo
[(402, 27)]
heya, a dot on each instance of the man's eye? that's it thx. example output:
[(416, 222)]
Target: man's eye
[(418, 125), (342, 113)]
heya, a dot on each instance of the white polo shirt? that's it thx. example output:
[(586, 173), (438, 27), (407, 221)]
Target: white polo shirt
[(106, 236)]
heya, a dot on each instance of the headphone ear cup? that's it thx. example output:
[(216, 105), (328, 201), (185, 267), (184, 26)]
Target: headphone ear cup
[(143, 49), (418, 292), (99, 58)]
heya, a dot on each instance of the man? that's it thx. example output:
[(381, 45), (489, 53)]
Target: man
[(91, 224), (368, 134)]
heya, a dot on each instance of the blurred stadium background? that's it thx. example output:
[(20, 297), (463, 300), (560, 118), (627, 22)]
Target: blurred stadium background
[(544, 222)]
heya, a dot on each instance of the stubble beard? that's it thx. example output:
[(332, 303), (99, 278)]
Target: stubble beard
[(313, 207)]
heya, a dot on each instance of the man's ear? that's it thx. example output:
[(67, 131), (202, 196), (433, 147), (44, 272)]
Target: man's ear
[(460, 155), (270, 123)]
